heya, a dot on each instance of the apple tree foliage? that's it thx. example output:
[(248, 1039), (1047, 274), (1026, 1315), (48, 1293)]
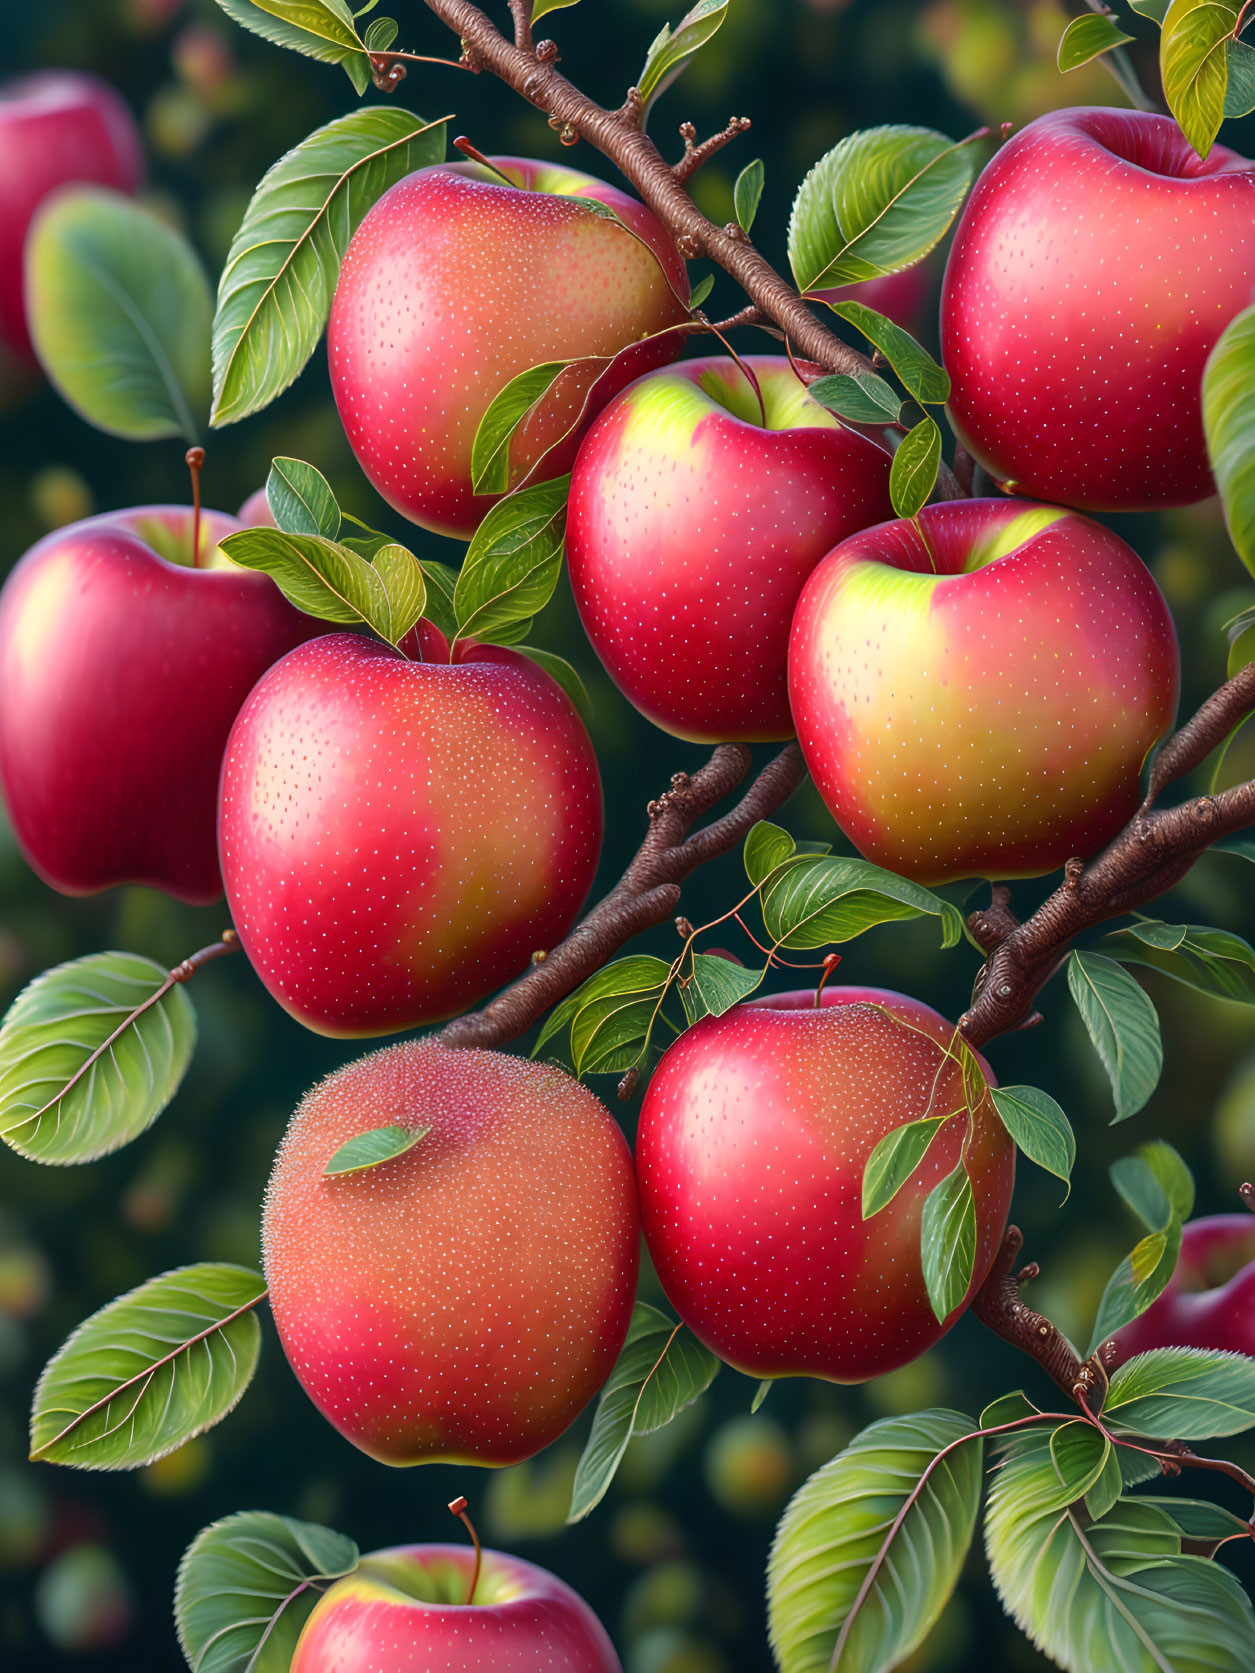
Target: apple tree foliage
[(1095, 1569)]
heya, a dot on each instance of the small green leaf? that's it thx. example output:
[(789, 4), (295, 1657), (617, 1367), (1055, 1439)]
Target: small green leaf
[(1039, 1128), (894, 1159), (766, 847), (878, 202), (275, 292), (441, 583), (1229, 420), (672, 48), (330, 581), (920, 374), (1199, 1520), (1187, 1394), (382, 32), (1008, 1408), (1211, 961), (947, 1242), (715, 986), (701, 290), (747, 194), (1078, 1455), (663, 1368), (542, 8), (1123, 1025), (513, 562), (1156, 9), (119, 311), (321, 29), (90, 1054), (760, 1394), (862, 399), (563, 675), (301, 500), (609, 1015), (1140, 1278), (150, 1370), (1087, 38), (871, 1547), (246, 1587), (369, 1150), (1155, 1183), (913, 475), (1194, 65), (490, 452), (823, 898)]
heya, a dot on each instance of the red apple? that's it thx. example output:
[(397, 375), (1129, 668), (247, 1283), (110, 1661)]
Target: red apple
[(399, 837), (1097, 261), (453, 284), (123, 663), (750, 1152), (902, 296), (464, 1301), (975, 691), (1209, 1301), (55, 127), (405, 1611), (695, 517)]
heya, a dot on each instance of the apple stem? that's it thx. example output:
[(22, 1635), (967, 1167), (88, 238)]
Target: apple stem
[(462, 144), (195, 459), (830, 964), (458, 1508)]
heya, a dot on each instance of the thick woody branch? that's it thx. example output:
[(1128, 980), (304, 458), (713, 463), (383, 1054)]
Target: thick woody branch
[(649, 890), (997, 1305), (619, 135), (1190, 747)]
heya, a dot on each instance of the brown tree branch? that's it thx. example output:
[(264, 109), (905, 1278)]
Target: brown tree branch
[(695, 155), (649, 890), (997, 1305)]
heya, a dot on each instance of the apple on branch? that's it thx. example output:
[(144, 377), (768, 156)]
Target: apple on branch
[(461, 277), (701, 500), (976, 689)]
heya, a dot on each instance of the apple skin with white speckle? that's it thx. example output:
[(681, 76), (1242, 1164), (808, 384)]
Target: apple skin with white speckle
[(1095, 265), (399, 837), (456, 282), (464, 1301), (750, 1152), (692, 527), (975, 691)]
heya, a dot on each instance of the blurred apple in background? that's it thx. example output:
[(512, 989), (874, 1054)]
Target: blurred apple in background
[(1209, 1301), (55, 126), (465, 1300), (750, 1152), (124, 660), (975, 690), (454, 283), (399, 837), (696, 515), (405, 1610)]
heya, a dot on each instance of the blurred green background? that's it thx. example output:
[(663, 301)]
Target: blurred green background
[(673, 1559)]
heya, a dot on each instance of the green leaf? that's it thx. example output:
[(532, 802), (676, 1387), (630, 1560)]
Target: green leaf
[(609, 1015), (871, 1547), (563, 675), (1212, 961), (672, 48), (760, 1394), (947, 1242), (1078, 1455), (1138, 1280), (1112, 1592), (701, 290), (321, 29), (663, 1368), (822, 898), (716, 985), (118, 307), (862, 399), (382, 32), (329, 580), (1008, 1408), (913, 475), (894, 1159), (1194, 65), (747, 193), (513, 562), (1186, 1394), (1239, 99), (490, 452), (1156, 9), (441, 583), (1229, 420), (1199, 1520), (920, 374), (370, 1149), (1155, 1183), (1087, 38), (879, 201), (1039, 1128), (246, 1587), (542, 8), (766, 847), (153, 1368), (1121, 1022), (276, 288), (90, 1054), (301, 500)]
